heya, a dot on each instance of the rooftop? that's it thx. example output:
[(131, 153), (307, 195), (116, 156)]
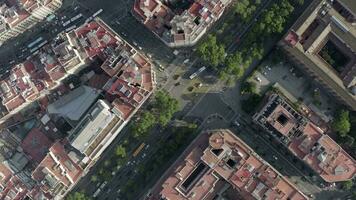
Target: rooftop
[(221, 156), (132, 78), (183, 29), (327, 29), (36, 145), (306, 140), (57, 167), (74, 104), (92, 126)]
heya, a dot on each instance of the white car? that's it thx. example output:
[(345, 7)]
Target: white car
[(258, 79), (236, 123)]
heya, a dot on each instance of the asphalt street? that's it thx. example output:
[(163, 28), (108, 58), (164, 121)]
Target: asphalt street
[(217, 107)]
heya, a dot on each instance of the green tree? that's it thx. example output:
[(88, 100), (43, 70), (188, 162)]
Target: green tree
[(257, 51), (234, 65), (273, 20), (77, 196), (211, 52), (94, 178), (341, 123), (299, 2), (353, 195), (347, 185), (165, 106), (120, 151), (249, 87), (245, 9), (141, 128)]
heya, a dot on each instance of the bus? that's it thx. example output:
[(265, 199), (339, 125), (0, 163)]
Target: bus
[(88, 19), (97, 12), (195, 74), (70, 28), (76, 17), (138, 150), (38, 46), (34, 42), (66, 23)]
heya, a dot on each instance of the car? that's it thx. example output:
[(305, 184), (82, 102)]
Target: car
[(96, 193), (236, 123), (274, 157), (134, 43), (143, 155), (147, 146), (139, 47), (264, 73), (258, 79)]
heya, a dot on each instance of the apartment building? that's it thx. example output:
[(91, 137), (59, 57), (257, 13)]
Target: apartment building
[(57, 173), (216, 164), (305, 140), (178, 29), (322, 42)]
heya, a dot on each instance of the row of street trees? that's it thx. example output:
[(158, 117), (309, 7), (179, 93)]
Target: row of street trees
[(232, 66)]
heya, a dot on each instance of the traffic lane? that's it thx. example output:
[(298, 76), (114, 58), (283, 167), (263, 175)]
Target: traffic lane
[(136, 32), (130, 169), (210, 104), (47, 30)]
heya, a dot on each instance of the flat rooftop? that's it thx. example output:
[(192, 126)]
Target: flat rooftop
[(216, 158), (92, 125)]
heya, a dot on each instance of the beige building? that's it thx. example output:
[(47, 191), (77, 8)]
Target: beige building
[(323, 43)]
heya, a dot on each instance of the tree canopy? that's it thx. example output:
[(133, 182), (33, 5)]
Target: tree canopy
[(248, 87), (347, 185), (77, 196), (273, 19), (120, 151), (211, 52), (143, 125), (245, 9), (341, 123), (165, 106)]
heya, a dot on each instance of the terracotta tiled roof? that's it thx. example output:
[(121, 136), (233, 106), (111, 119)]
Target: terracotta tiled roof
[(36, 145), (220, 155)]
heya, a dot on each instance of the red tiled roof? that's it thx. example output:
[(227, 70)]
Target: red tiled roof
[(36, 145), (57, 156), (312, 145), (194, 8), (6, 175), (250, 176), (14, 103)]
